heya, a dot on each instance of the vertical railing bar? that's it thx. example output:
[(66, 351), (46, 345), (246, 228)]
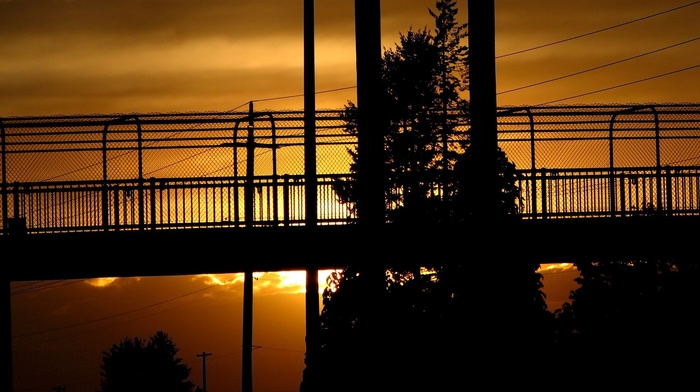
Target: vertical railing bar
[(152, 200)]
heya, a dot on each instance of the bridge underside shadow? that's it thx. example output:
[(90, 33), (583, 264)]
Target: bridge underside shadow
[(230, 250)]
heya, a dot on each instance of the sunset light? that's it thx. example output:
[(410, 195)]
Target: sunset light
[(141, 136)]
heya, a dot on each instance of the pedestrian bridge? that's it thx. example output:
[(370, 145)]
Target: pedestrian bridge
[(177, 177)]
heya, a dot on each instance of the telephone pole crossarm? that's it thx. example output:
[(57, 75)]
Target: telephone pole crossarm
[(204, 356)]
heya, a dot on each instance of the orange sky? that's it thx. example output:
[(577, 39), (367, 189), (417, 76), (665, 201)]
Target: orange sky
[(60, 328), (88, 56)]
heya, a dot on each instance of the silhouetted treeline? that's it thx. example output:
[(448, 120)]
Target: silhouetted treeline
[(637, 319)]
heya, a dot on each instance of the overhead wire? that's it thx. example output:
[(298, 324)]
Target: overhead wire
[(152, 305), (598, 67), (620, 85), (41, 285), (604, 65), (113, 315), (597, 31)]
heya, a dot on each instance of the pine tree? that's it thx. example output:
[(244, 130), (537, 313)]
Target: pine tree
[(139, 365)]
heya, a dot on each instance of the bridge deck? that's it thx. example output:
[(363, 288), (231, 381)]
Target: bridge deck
[(228, 250)]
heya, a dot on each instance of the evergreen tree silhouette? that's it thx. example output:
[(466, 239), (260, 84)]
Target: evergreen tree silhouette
[(140, 365), (429, 309)]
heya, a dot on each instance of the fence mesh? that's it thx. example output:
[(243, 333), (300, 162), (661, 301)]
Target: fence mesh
[(191, 169), (195, 145)]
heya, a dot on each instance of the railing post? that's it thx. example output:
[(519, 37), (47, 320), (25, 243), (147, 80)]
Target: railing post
[(18, 223), (15, 204), (105, 187), (275, 200), (105, 206), (236, 192), (141, 204), (533, 193), (116, 207), (543, 191), (141, 196), (285, 199), (152, 189), (623, 201), (669, 192), (611, 176)]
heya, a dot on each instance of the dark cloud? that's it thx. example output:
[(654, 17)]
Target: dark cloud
[(78, 56), (137, 19)]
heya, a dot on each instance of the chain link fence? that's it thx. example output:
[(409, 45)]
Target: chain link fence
[(66, 173)]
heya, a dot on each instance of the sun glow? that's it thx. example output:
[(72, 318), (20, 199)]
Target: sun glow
[(101, 282), (268, 283), (294, 282), (555, 267)]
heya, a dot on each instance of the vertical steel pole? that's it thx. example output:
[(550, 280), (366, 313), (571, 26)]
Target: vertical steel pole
[(370, 147), (309, 113), (311, 192), (482, 85), (247, 347), (370, 135)]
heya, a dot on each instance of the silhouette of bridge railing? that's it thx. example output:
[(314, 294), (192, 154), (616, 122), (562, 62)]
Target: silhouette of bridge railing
[(207, 170)]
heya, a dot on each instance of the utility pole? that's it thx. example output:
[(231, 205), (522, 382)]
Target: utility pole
[(247, 366), (311, 299), (204, 356)]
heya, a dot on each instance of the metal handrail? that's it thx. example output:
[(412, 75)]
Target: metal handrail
[(180, 203)]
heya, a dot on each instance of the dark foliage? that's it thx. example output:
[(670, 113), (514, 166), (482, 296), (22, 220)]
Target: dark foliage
[(460, 321), (419, 327), (638, 318), (140, 365)]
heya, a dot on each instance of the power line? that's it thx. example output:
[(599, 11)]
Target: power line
[(598, 67), (122, 313), (41, 285), (621, 85), (596, 31), (292, 96), (302, 94), (114, 315)]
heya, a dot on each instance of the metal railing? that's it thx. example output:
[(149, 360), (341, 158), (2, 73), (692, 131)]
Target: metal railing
[(180, 203), (174, 203), (165, 171), (602, 193)]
